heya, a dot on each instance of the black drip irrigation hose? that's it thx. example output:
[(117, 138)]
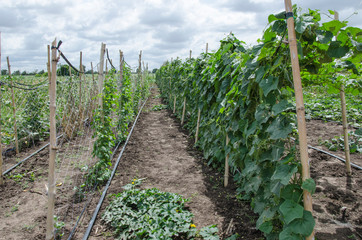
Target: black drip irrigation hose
[(332, 155), (91, 223), (90, 199), (34, 153)]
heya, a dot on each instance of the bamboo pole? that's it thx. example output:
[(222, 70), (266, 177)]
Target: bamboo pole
[(100, 74), (1, 148), (80, 79), (190, 53), (197, 125), (183, 112), (207, 47), (106, 66), (14, 108), (94, 89), (226, 174), (303, 148), (52, 145), (121, 67), (344, 120), (174, 104)]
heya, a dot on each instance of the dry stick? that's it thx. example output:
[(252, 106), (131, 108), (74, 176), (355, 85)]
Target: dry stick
[(52, 145), (199, 111), (100, 74), (226, 175), (139, 75), (303, 147), (14, 108), (344, 120), (190, 53), (1, 148)]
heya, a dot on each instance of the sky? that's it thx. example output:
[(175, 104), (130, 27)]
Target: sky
[(161, 29)]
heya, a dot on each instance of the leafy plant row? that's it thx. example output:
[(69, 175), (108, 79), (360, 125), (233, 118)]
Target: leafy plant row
[(120, 103), (245, 93)]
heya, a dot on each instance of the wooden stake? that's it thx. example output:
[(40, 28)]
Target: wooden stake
[(1, 148), (93, 76), (183, 112), (303, 148), (100, 74), (198, 125), (52, 145), (190, 53), (14, 108), (207, 47), (106, 66), (121, 67), (344, 120), (174, 104), (48, 66), (226, 174), (80, 79)]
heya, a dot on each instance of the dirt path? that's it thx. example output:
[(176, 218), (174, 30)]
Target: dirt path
[(161, 151)]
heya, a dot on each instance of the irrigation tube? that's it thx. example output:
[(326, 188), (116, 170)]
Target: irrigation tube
[(332, 155), (34, 153), (91, 223)]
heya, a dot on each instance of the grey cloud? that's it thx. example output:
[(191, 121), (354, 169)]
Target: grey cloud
[(161, 16)]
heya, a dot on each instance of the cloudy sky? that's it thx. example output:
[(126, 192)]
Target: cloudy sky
[(162, 29)]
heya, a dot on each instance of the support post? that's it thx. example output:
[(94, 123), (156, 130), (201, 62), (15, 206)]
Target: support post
[(183, 112), (226, 174), (52, 146), (80, 79), (197, 125), (14, 108), (190, 53), (207, 47), (303, 148), (344, 120), (94, 85), (121, 67), (100, 75), (174, 104)]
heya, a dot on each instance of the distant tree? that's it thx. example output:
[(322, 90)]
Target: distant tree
[(17, 72), (4, 72), (154, 70), (41, 72), (24, 73)]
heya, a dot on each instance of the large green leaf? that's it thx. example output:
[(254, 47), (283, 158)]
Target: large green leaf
[(334, 26), (284, 172), (336, 50), (309, 185), (281, 107), (304, 225), (268, 84), (291, 210), (286, 234), (279, 128)]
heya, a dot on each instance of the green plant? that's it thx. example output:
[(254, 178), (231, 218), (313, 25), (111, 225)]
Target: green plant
[(103, 132), (15, 208), (151, 213), (59, 228), (159, 107), (354, 142), (245, 93)]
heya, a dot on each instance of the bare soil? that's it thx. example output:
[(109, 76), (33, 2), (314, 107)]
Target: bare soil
[(162, 151)]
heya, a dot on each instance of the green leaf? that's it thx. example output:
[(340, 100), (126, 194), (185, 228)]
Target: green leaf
[(284, 172), (336, 50), (291, 210), (334, 26), (269, 84), (279, 128), (264, 222), (324, 37), (331, 12), (282, 106), (292, 192), (309, 185), (304, 225), (286, 234)]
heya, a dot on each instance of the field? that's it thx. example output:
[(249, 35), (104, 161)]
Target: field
[(208, 147)]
